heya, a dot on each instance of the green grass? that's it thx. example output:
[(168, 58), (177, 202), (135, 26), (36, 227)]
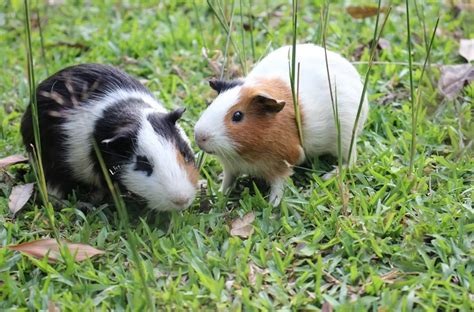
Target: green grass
[(400, 244)]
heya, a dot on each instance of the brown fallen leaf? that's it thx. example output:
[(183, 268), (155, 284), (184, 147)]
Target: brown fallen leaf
[(55, 2), (327, 307), (214, 63), (459, 5), (466, 49), (383, 44), (253, 271), (453, 78), (242, 227), (359, 12), (11, 160), (52, 307), (75, 45), (49, 246), (19, 197)]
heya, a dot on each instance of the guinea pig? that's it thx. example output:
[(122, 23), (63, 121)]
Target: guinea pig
[(251, 125), (143, 147)]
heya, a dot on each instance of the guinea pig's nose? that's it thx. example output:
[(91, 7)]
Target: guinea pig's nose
[(180, 201), (201, 138)]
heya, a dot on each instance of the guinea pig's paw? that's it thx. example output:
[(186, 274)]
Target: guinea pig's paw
[(276, 193), (331, 174), (97, 196), (275, 199)]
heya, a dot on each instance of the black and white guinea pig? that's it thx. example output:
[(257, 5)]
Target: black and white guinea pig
[(251, 125), (144, 149)]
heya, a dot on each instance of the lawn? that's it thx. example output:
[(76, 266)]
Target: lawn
[(383, 240)]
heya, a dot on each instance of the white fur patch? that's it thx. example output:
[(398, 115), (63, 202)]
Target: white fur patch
[(211, 123), (169, 181)]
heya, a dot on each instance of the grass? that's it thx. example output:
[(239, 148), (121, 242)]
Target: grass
[(402, 243)]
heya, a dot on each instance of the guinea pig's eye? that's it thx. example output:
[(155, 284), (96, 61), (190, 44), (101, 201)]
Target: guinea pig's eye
[(144, 165), (238, 115)]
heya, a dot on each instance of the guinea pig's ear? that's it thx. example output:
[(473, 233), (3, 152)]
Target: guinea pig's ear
[(223, 85), (267, 103), (217, 85), (173, 116)]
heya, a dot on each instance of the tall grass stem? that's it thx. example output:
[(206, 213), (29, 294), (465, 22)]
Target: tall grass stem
[(295, 73), (132, 240), (367, 75), (412, 92), (417, 101)]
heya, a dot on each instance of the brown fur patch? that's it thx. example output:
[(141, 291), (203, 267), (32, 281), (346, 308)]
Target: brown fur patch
[(191, 170), (269, 140)]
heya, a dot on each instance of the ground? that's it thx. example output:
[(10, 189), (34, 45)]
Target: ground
[(391, 241)]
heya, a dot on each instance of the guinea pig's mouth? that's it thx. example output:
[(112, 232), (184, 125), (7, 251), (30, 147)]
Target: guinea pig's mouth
[(133, 198), (206, 150)]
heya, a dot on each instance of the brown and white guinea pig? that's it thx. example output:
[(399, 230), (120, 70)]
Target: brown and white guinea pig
[(144, 149), (251, 125)]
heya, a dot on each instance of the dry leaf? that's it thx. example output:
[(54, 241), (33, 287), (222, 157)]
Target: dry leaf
[(467, 5), (229, 284), (383, 44), (359, 12), (214, 62), (55, 2), (40, 248), (327, 307), (76, 45), (466, 49), (453, 79), (242, 227), (252, 277), (52, 307), (390, 277), (11, 160), (19, 197), (253, 271)]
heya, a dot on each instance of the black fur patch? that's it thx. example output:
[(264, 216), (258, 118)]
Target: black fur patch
[(224, 85)]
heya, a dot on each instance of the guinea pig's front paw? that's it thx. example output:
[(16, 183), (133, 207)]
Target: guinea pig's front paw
[(275, 199), (276, 193), (331, 174), (336, 171)]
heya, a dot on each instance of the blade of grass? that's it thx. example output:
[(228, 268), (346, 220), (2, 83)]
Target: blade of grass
[(34, 106), (228, 39), (418, 101), (132, 240), (242, 34), (201, 32), (220, 15), (252, 42), (335, 109), (295, 76), (367, 74), (412, 92), (37, 162), (43, 52)]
